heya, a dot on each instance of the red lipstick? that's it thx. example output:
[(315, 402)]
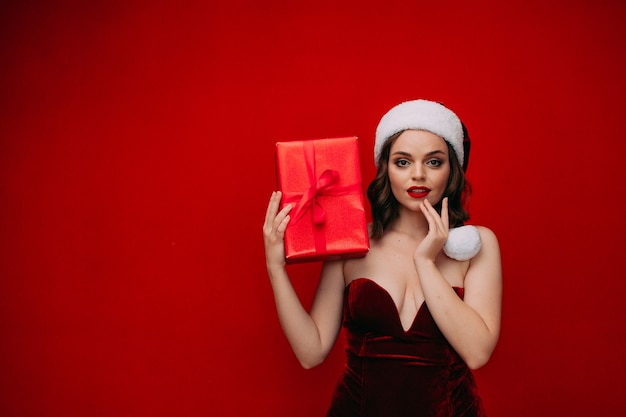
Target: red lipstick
[(418, 192)]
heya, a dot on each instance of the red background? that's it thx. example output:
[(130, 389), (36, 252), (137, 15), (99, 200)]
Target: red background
[(136, 160)]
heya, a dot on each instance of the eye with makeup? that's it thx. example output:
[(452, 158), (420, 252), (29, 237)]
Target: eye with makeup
[(435, 162), (401, 162)]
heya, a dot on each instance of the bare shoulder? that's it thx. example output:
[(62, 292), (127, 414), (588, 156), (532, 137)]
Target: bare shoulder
[(366, 266), (489, 240), (485, 267), (486, 232), (483, 281), (356, 267)]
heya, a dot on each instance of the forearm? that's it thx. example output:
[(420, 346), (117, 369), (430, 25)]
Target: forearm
[(297, 324), (471, 335)]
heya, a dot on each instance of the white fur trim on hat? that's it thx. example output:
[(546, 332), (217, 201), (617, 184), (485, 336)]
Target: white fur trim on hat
[(463, 243), (421, 115)]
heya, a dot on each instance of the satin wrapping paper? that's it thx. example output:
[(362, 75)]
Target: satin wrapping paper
[(321, 178)]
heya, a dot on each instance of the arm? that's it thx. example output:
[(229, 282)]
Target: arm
[(472, 325), (311, 335)]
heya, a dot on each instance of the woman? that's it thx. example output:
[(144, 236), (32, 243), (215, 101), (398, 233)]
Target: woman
[(417, 317)]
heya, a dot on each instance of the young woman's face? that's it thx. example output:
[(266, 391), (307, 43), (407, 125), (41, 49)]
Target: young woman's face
[(419, 167)]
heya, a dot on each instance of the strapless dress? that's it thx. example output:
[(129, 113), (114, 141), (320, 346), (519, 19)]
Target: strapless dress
[(393, 372)]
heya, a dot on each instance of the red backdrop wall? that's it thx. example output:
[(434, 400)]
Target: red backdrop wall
[(136, 160)]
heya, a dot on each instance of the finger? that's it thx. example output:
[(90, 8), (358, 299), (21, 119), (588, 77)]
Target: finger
[(270, 212), (431, 214), (433, 227), (282, 226), (272, 208), (280, 217), (444, 214)]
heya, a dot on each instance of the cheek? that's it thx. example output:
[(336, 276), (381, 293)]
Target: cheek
[(444, 177), (396, 177), (396, 182), (441, 185)]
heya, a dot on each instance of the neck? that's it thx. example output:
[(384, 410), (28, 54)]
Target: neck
[(410, 223)]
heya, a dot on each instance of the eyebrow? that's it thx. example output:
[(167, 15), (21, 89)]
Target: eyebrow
[(431, 153)]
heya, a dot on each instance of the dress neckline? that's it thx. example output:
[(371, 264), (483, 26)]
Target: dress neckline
[(459, 291)]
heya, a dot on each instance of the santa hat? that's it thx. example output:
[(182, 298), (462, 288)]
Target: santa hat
[(424, 115)]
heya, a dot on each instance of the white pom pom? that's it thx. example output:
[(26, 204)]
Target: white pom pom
[(463, 243)]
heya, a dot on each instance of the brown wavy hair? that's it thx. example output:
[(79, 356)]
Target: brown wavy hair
[(385, 207)]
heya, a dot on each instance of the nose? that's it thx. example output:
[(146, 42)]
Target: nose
[(418, 172)]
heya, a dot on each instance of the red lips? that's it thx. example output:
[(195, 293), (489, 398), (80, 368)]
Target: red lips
[(418, 192)]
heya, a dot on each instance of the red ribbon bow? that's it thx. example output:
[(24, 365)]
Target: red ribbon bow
[(323, 186)]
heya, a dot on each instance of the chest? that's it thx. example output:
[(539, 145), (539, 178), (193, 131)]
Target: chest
[(394, 267), (393, 271)]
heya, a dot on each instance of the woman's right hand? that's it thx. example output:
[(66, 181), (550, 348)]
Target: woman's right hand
[(311, 334), (274, 231)]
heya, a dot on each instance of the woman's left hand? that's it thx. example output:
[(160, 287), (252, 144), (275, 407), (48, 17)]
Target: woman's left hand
[(438, 227)]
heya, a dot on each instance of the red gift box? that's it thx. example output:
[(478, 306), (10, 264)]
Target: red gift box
[(322, 179)]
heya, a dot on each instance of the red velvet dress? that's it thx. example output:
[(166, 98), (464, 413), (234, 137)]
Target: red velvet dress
[(395, 373)]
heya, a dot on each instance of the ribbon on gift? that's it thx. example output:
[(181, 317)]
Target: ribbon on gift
[(324, 185)]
